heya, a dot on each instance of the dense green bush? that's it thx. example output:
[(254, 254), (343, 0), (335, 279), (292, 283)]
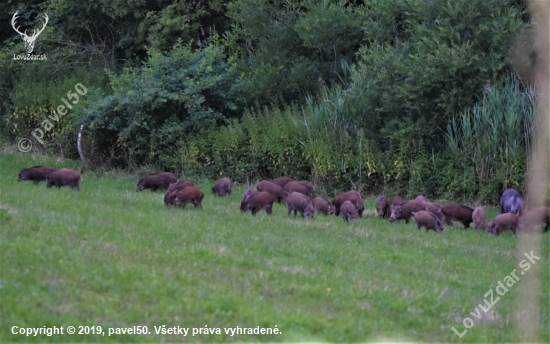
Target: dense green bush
[(155, 106), (264, 143), (283, 48)]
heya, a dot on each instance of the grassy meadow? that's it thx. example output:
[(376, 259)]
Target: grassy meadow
[(112, 257)]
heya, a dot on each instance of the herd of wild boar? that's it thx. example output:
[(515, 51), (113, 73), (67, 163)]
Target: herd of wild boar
[(300, 197)]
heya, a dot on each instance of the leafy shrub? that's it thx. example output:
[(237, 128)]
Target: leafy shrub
[(155, 106)]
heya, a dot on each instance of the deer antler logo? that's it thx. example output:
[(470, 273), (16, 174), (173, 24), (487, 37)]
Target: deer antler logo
[(29, 40)]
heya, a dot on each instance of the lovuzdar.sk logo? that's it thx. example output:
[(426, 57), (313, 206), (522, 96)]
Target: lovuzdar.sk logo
[(29, 40)]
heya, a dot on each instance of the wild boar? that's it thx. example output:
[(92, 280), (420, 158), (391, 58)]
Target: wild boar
[(222, 187), (256, 201), (294, 186), (428, 220), (382, 206), (299, 202), (272, 188), (180, 184), (353, 196), (156, 181), (539, 216), (403, 211), (348, 211), (503, 222), (173, 188), (310, 187), (64, 177), (282, 181), (35, 173), (323, 206), (458, 212), (479, 217), (190, 194), (395, 200), (511, 202)]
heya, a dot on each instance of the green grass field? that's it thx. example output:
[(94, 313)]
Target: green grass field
[(111, 257)]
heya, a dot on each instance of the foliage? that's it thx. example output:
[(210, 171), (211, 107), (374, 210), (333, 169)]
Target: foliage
[(493, 139), (427, 62), (283, 47), (262, 144), (169, 97)]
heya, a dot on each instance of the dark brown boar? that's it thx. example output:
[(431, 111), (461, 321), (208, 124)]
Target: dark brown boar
[(479, 217), (427, 220), (382, 206), (180, 184), (64, 177), (349, 211), (503, 222), (403, 211), (222, 187), (353, 196), (395, 200), (282, 181), (190, 194), (294, 186), (156, 181), (256, 201), (539, 216), (458, 212), (35, 173), (309, 186), (323, 206), (173, 188), (272, 188), (299, 202)]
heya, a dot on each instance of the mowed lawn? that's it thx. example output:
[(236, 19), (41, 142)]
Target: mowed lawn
[(112, 257)]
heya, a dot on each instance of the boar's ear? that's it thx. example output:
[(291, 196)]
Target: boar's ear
[(247, 194)]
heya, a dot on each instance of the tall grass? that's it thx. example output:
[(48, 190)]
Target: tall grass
[(494, 136)]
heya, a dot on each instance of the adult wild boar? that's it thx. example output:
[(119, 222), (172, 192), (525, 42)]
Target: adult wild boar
[(272, 188), (256, 201), (382, 206), (64, 177), (282, 181), (222, 187), (180, 184), (458, 212), (479, 217), (503, 222), (156, 181), (395, 200), (511, 202), (173, 188), (427, 220), (403, 211), (323, 206), (294, 186), (349, 211), (188, 195), (353, 196), (299, 202), (35, 173), (539, 216)]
